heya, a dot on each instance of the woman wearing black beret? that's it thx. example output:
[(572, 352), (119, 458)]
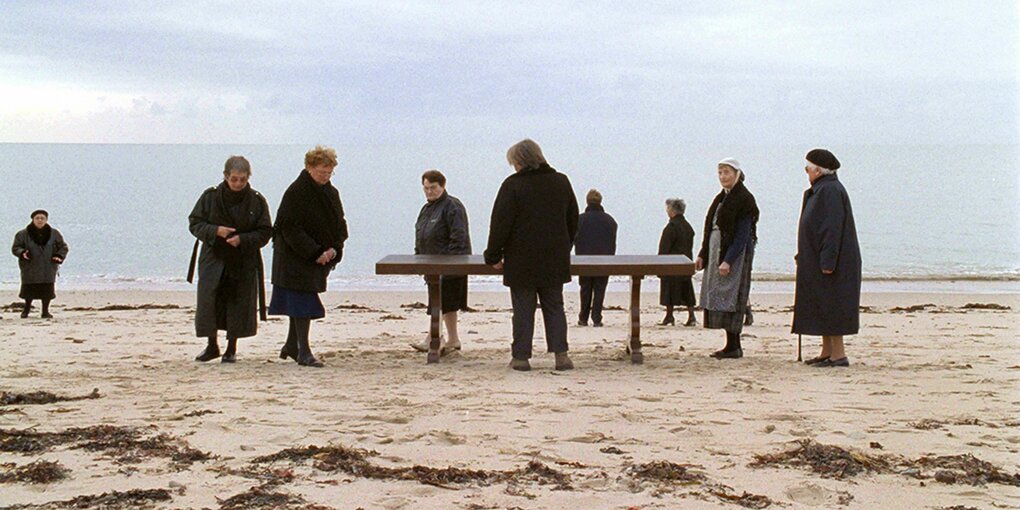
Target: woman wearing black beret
[(40, 250)]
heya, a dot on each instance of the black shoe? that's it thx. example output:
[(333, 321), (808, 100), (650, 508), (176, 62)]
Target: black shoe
[(228, 358), (731, 354), (841, 362), (289, 351), (305, 357), (582, 323), (46, 315), (668, 321), (691, 322), (597, 325), (816, 360), (210, 353), (24, 313)]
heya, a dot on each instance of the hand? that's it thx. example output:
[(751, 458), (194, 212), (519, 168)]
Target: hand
[(699, 264), (58, 260), (25, 255), (234, 241), (498, 266), (724, 269), (326, 256), (224, 231), (827, 271)]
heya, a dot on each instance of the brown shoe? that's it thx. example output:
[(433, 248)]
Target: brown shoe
[(521, 365), (563, 361)]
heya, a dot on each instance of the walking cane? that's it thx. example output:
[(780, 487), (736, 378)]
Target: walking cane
[(798, 348)]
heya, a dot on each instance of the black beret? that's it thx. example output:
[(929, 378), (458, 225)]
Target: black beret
[(39, 211), (823, 158)]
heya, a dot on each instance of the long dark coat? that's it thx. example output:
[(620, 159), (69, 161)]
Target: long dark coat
[(40, 267), (534, 221), (677, 239), (827, 304), (242, 264), (596, 232), (309, 221)]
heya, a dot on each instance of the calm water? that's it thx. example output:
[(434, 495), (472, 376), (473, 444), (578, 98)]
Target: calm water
[(922, 211)]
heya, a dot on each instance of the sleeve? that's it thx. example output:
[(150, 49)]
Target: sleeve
[(666, 240), (830, 229), (256, 239), (504, 214), (612, 242), (198, 221), (344, 234), (740, 239), (456, 217), (59, 246), (686, 240), (19, 246), (293, 233), (572, 211)]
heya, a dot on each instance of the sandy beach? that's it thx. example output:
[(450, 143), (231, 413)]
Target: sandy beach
[(929, 386)]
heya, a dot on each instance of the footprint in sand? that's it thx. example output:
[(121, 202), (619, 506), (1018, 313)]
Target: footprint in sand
[(812, 494)]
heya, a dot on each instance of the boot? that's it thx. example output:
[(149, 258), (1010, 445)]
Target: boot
[(520, 365), (289, 349), (563, 361), (668, 320), (230, 355), (26, 309), (46, 310), (305, 357), (212, 351)]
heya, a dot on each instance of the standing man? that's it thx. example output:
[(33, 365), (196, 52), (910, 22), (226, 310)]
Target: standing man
[(596, 235), (533, 225), (828, 294)]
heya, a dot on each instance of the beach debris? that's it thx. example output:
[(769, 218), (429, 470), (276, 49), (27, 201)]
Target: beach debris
[(744, 499), (417, 305), (15, 306), (126, 445), (932, 424), (391, 317), (826, 460), (665, 471), (277, 476), (123, 308), (912, 308), (41, 397), (612, 450), (875, 445), (957, 507), (200, 412), (135, 499), (961, 469), (985, 306), (266, 497), (358, 308), (40, 471)]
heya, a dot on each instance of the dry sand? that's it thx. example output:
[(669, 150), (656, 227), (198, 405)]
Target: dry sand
[(599, 425)]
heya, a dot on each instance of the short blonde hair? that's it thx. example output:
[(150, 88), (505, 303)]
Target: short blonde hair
[(525, 154), (593, 197), (320, 156)]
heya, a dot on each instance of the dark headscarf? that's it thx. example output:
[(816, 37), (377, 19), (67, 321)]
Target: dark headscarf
[(39, 236)]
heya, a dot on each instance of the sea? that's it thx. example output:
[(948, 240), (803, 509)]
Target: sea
[(929, 217)]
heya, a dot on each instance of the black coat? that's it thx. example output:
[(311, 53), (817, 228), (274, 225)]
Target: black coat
[(534, 221), (596, 232), (39, 268), (827, 304), (309, 221), (252, 223), (442, 228), (733, 207), (677, 237)]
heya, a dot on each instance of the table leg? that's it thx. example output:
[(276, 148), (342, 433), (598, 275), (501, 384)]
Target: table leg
[(435, 314), (634, 348)]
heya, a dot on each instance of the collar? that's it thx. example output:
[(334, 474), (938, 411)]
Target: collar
[(594, 207)]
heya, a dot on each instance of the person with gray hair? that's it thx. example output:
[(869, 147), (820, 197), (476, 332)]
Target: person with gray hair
[(533, 226), (677, 239)]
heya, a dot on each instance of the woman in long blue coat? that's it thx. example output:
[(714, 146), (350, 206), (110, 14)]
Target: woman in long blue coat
[(828, 294)]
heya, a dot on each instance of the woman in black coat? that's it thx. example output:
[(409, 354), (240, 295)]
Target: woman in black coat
[(232, 222), (533, 225), (40, 250), (828, 294), (677, 239), (727, 255), (308, 243)]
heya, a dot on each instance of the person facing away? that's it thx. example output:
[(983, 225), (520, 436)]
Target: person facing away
[(828, 291), (442, 229), (40, 250), (532, 229), (232, 222), (677, 239), (308, 243), (596, 235), (727, 255)]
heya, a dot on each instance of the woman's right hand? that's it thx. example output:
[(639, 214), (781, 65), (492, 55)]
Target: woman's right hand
[(699, 264), (224, 231), (326, 256), (25, 255)]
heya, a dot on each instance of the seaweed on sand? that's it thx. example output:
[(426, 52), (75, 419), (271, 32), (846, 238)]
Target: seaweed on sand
[(266, 497), (964, 469), (826, 460), (127, 445), (40, 471), (41, 397), (134, 499)]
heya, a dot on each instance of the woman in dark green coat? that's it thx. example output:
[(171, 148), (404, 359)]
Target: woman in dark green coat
[(232, 223), (40, 250)]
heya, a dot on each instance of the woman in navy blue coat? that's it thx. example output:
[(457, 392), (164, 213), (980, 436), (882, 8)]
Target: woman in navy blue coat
[(828, 294)]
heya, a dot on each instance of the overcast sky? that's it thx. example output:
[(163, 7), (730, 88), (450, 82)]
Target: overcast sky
[(641, 73)]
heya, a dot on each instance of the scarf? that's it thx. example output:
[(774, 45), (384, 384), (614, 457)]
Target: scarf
[(39, 236)]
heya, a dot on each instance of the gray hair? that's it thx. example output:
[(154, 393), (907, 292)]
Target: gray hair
[(525, 154), (676, 205), (820, 169)]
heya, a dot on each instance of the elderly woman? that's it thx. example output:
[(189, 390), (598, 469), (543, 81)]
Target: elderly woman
[(232, 222), (308, 243), (677, 239), (533, 225), (828, 294), (727, 252), (40, 250), (442, 229)]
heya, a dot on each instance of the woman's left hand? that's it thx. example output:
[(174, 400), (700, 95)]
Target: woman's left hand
[(58, 260), (724, 269), (234, 241)]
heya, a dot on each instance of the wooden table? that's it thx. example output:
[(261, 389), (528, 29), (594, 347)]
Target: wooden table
[(635, 266)]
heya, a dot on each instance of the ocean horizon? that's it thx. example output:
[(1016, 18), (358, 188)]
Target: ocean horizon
[(925, 213)]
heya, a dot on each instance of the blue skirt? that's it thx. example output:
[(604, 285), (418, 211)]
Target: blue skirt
[(297, 304)]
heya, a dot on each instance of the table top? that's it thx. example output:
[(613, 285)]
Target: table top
[(580, 265)]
